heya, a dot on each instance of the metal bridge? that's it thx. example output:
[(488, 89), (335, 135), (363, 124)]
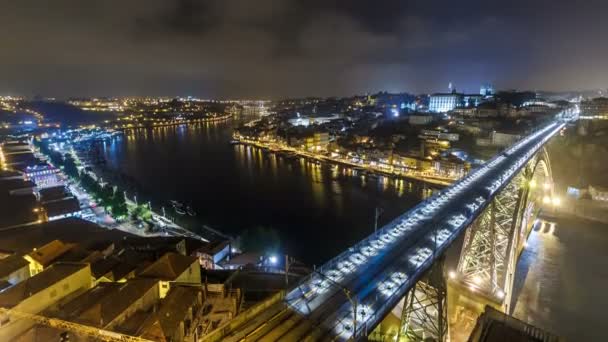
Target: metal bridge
[(401, 265)]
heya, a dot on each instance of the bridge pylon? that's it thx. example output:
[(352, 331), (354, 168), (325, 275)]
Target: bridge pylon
[(492, 245), (424, 316)]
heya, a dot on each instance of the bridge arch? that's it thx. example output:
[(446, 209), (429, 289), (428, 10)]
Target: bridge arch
[(494, 241)]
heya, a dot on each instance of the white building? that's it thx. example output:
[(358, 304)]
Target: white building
[(444, 102)]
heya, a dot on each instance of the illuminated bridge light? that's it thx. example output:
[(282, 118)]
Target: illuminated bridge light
[(399, 277), (427, 211), (377, 244), (334, 275), (387, 238), (364, 312), (442, 236), (357, 258), (387, 288), (472, 207), (396, 232), (346, 266), (420, 256), (368, 251), (457, 220), (345, 328), (320, 286)]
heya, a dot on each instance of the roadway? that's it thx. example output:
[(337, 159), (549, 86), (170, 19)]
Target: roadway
[(377, 272)]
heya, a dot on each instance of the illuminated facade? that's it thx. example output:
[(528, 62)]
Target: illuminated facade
[(442, 103), (486, 90)]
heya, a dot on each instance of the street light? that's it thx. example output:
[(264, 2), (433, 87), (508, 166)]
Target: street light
[(347, 293)]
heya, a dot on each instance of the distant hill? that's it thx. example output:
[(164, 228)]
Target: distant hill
[(66, 113)]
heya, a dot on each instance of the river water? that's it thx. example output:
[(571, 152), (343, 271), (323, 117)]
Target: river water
[(316, 210), (562, 279)]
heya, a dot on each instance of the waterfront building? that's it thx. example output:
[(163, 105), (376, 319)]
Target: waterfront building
[(595, 107), (318, 141), (62, 208), (306, 121)]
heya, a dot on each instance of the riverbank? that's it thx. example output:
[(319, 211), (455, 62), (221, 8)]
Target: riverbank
[(159, 123), (411, 175), (89, 201), (586, 209)]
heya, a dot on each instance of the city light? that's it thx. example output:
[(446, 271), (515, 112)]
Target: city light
[(273, 259), (452, 274)]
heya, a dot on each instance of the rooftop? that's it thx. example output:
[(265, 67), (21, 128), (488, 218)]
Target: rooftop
[(70, 230), (11, 264), (48, 253), (173, 310), (62, 206), (39, 282), (102, 304), (169, 266)]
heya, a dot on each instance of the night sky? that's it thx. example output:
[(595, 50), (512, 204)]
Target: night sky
[(280, 48)]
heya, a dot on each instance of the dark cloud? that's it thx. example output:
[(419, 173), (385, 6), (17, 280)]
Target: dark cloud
[(274, 48)]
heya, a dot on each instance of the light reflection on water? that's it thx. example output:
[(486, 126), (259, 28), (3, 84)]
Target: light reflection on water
[(236, 187)]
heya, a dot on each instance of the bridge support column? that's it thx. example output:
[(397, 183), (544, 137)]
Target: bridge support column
[(424, 315)]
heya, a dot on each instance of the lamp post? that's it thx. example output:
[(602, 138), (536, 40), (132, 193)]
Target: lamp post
[(351, 299)]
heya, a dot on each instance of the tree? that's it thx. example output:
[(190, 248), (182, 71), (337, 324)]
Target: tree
[(69, 166), (106, 194), (119, 205), (90, 184), (56, 158)]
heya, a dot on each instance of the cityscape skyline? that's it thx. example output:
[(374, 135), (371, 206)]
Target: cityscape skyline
[(303, 170), (278, 49)]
